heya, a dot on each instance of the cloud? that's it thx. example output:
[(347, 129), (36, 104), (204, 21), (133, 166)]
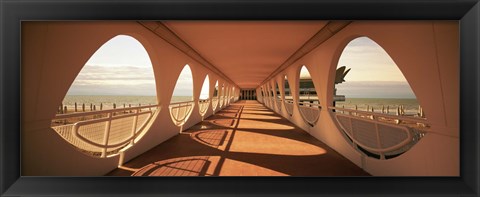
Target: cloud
[(114, 80), (113, 89), (92, 72), (369, 61)]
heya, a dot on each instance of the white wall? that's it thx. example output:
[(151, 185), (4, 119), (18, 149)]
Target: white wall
[(53, 53)]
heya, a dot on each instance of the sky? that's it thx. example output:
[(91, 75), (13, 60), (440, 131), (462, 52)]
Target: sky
[(122, 67), (204, 93), (119, 67), (184, 85), (373, 73)]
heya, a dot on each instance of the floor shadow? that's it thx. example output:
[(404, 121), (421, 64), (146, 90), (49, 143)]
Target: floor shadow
[(211, 137), (214, 145), (188, 166)]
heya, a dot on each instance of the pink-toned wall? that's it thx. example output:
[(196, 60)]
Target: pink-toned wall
[(427, 53), (53, 53)]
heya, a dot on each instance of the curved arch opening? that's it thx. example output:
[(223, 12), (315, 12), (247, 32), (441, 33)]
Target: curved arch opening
[(288, 98), (104, 111), (262, 94), (222, 96), (204, 98), (271, 95), (181, 103), (278, 98), (270, 100), (215, 99), (308, 102), (371, 90), (227, 95), (234, 95)]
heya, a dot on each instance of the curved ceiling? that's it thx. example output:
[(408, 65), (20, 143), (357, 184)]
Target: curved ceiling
[(246, 51)]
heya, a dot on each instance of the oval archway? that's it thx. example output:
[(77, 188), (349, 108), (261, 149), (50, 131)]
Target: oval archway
[(215, 98), (370, 90), (221, 96), (278, 97), (104, 111), (288, 98), (181, 103), (308, 101), (204, 98)]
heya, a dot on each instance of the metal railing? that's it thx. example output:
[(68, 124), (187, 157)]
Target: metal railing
[(289, 106), (379, 133), (180, 112), (310, 112), (203, 106), (103, 133), (398, 119)]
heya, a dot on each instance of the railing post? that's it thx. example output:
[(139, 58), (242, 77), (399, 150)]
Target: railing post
[(398, 121), (134, 126), (379, 145), (372, 116), (106, 135), (178, 112)]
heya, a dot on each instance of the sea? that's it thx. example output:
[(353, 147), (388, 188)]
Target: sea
[(410, 105)]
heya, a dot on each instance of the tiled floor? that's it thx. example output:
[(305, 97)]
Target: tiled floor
[(244, 139)]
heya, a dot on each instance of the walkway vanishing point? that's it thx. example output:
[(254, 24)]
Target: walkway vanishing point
[(244, 139)]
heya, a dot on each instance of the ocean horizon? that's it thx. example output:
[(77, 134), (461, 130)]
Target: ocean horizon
[(410, 104)]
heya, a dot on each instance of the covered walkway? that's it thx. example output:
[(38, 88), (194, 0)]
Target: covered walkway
[(244, 139)]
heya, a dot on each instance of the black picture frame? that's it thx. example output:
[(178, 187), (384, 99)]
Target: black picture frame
[(13, 12)]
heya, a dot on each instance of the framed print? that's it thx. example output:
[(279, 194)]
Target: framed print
[(140, 98)]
